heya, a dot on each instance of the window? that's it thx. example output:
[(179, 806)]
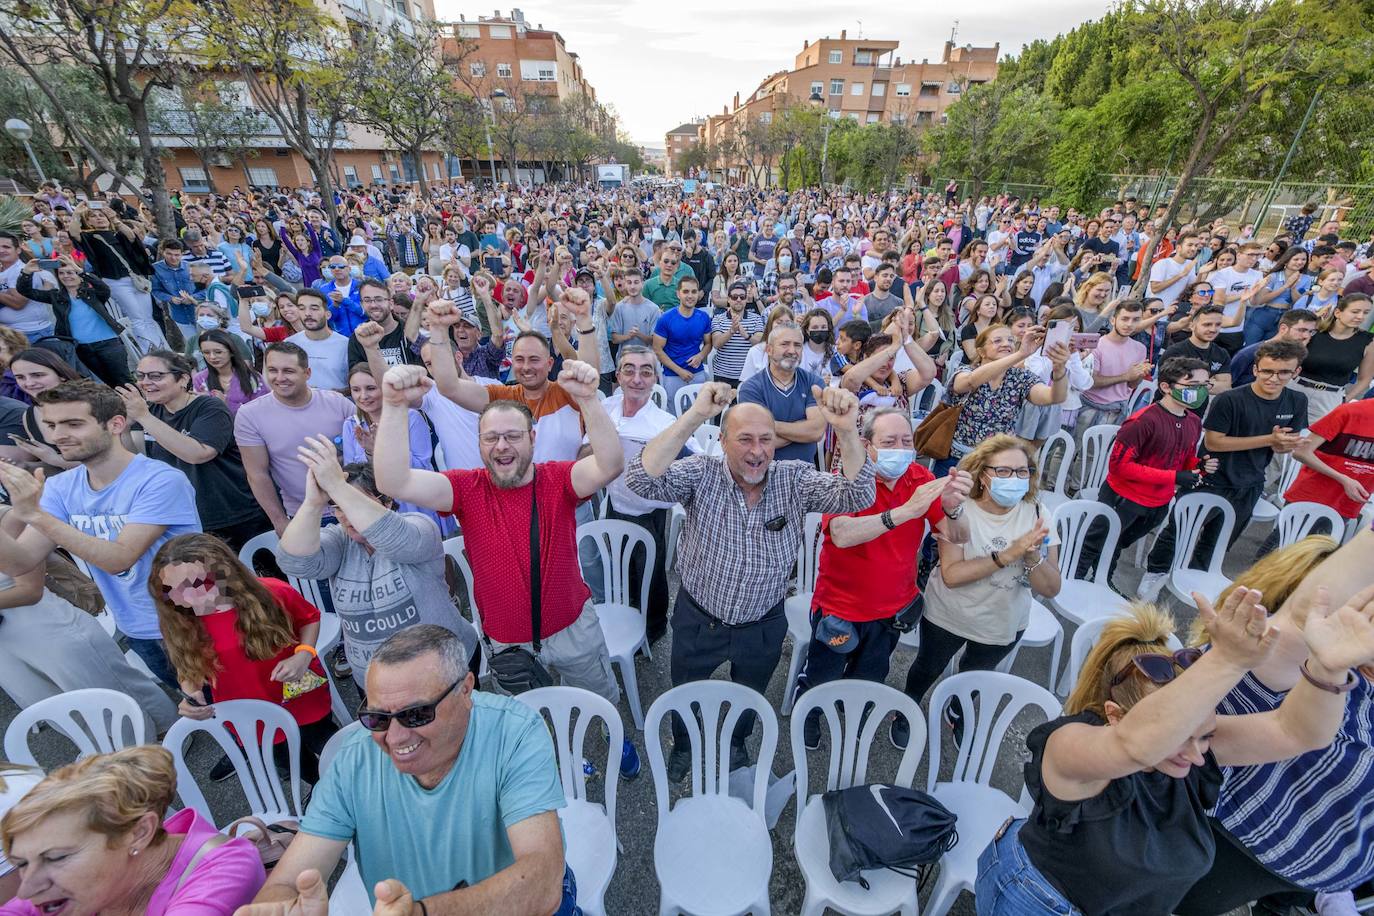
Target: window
[(899, 117), (834, 114), (880, 89), (477, 68), (437, 174), (508, 104), (873, 117), (498, 31), (539, 71), (863, 58), (818, 88), (922, 117), (376, 173), (469, 31), (930, 92), (351, 176), (194, 180), (903, 90), (262, 177), (766, 117), (837, 57), (856, 88), (503, 71), (395, 172), (837, 87)]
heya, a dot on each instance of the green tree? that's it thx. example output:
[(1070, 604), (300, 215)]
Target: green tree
[(204, 114), (995, 134)]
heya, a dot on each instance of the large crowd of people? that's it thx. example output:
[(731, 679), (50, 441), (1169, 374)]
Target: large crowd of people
[(509, 363)]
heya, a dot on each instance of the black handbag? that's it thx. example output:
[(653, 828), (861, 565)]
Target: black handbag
[(885, 826), (516, 668)]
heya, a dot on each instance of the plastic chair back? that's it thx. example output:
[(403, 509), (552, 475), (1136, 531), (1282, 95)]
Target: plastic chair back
[(1097, 448), (809, 558), (1143, 394), (336, 741), (708, 437), (682, 400), (659, 396), (927, 399), (990, 700), (1072, 522), (1059, 441), (308, 589), (1190, 514), (676, 516), (1296, 521), (616, 543), (854, 711), (455, 548), (571, 711), (97, 720)]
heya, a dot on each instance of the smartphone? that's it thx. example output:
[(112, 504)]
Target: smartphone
[(188, 698), (1059, 331), (95, 205), (495, 265), (48, 263), (1084, 341), (251, 291)]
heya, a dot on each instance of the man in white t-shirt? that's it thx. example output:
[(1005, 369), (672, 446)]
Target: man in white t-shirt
[(34, 319), (1232, 284), (1169, 276), (327, 349)]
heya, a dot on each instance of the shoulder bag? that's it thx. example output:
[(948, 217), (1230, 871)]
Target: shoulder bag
[(516, 668), (934, 436)]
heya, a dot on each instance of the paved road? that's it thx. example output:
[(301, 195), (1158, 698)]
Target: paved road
[(634, 890)]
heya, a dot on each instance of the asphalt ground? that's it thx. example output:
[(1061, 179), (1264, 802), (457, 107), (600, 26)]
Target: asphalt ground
[(634, 888)]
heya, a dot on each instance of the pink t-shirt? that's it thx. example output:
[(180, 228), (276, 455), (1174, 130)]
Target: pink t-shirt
[(226, 878), (268, 422), (1113, 358)]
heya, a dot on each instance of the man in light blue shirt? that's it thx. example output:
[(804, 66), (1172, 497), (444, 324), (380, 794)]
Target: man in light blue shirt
[(451, 798)]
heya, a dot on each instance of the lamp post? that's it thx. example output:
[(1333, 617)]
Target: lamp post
[(487, 126), (21, 131), (818, 102)]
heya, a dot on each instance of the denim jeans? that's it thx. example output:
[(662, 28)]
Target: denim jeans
[(1009, 885), (153, 655), (1262, 323)]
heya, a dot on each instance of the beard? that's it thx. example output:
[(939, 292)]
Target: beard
[(85, 451), (510, 476)]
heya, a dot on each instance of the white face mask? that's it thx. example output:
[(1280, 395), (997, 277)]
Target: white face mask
[(207, 322), (784, 262)]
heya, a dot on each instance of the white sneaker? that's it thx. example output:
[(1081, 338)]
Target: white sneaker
[(1151, 585), (1338, 903)]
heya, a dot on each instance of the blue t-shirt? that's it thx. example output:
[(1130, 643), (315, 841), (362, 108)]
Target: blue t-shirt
[(786, 407), (148, 492), (683, 334), (1288, 296), (87, 325), (505, 773)]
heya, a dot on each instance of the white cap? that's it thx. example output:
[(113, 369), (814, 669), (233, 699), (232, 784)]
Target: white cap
[(357, 242)]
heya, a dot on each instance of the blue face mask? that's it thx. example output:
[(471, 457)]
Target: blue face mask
[(893, 462), (1008, 491)]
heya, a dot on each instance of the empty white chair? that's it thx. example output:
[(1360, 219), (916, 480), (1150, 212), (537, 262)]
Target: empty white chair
[(622, 614), (329, 637), (1143, 394), (683, 398), (853, 711), (97, 720), (349, 897), (588, 826), (454, 548), (927, 399), (1190, 514), (712, 851), (257, 724), (1266, 509), (660, 396), (1055, 491), (1044, 629), (1297, 520), (1084, 599), (1097, 448), (989, 700), (707, 436), (798, 607), (1084, 638)]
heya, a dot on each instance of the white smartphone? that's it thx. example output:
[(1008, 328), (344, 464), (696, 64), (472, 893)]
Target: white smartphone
[(96, 205), (1059, 331)]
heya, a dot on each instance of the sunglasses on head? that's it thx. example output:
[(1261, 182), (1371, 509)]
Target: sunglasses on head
[(1157, 667), (417, 716), (205, 581)]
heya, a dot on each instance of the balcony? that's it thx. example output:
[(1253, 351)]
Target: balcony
[(173, 127)]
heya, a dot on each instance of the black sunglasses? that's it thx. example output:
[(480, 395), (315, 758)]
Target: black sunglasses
[(1157, 666), (416, 716)]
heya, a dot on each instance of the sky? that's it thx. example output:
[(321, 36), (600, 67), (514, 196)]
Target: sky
[(662, 62)]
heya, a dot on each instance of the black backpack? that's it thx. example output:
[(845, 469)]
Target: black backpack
[(885, 826)]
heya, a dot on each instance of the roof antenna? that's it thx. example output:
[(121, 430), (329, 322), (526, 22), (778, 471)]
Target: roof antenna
[(954, 31), (861, 28)]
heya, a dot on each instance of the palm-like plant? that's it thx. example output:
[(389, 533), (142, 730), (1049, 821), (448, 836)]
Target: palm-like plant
[(12, 212)]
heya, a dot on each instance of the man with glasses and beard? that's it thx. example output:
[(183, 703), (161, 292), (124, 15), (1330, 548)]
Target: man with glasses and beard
[(381, 330), (472, 774), (505, 507)]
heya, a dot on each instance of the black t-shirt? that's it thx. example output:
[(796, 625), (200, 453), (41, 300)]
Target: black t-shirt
[(1103, 246), (395, 350), (1242, 413), (1216, 358), (11, 419), (1023, 246), (1331, 361), (223, 496)]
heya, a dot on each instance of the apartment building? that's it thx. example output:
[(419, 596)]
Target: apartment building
[(525, 61), (677, 141)]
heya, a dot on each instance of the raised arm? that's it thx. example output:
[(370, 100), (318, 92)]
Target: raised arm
[(607, 459), (464, 392), (661, 450), (403, 387)]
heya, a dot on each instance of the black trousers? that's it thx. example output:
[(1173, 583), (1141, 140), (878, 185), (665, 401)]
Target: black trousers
[(1136, 522), (656, 523), (1242, 500), (938, 646), (869, 660), (240, 533), (701, 643), (108, 359), (313, 739), (1237, 878)]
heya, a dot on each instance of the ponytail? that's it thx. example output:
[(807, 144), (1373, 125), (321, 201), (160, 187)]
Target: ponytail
[(1145, 629)]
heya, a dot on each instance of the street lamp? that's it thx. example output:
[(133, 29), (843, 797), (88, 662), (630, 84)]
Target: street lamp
[(491, 113), (21, 131), (818, 102)]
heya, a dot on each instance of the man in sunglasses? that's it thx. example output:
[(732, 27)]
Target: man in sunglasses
[(472, 775)]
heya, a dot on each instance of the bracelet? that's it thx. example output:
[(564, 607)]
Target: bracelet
[(956, 514), (1350, 681), (1055, 378), (424, 910), (590, 330), (305, 648), (886, 519), (997, 560), (1035, 566)]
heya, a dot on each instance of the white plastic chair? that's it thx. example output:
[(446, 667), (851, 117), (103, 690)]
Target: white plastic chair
[(622, 616), (708, 437), (1054, 493), (1080, 600), (1084, 638), (683, 398), (989, 700), (309, 589), (798, 607), (1097, 448), (336, 741), (97, 720), (329, 637), (927, 399), (659, 396), (712, 851), (588, 826), (1143, 394), (256, 723), (1266, 509), (853, 710), (676, 516), (349, 897), (1296, 521), (1190, 512), (455, 548), (1044, 629)]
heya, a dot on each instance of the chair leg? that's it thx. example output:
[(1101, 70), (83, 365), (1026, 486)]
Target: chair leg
[(793, 672), (1056, 649), (943, 896), (627, 675)]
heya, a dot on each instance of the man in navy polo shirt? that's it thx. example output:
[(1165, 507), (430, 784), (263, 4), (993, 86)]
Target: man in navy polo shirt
[(785, 391)]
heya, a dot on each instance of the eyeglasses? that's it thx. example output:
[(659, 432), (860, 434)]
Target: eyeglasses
[(1204, 293), (512, 437), (1276, 373), (738, 297), (375, 300), (1006, 472), (1157, 666), (205, 581), (151, 376), (417, 716)]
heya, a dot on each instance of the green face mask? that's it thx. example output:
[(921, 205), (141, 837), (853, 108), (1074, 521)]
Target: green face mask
[(1191, 396)]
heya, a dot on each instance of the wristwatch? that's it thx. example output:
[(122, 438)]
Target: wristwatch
[(956, 514)]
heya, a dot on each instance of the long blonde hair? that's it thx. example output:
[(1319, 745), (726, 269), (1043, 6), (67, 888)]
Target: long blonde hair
[(1276, 576), (1145, 629)]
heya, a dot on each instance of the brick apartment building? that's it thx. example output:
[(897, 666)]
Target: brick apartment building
[(679, 140)]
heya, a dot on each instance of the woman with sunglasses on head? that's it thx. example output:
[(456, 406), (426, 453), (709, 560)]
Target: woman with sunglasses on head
[(1194, 296), (233, 636), (1123, 781)]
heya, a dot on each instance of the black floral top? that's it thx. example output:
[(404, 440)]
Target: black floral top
[(988, 410)]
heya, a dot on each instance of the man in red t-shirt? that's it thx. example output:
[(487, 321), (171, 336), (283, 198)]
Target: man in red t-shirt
[(1338, 461), (868, 560), (495, 505)]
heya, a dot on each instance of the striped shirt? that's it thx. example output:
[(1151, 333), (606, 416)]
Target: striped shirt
[(731, 562), (727, 360), (1308, 818)]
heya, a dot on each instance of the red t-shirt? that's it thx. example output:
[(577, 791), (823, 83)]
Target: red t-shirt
[(277, 333), (496, 531), (874, 581), (1348, 432), (242, 678)]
